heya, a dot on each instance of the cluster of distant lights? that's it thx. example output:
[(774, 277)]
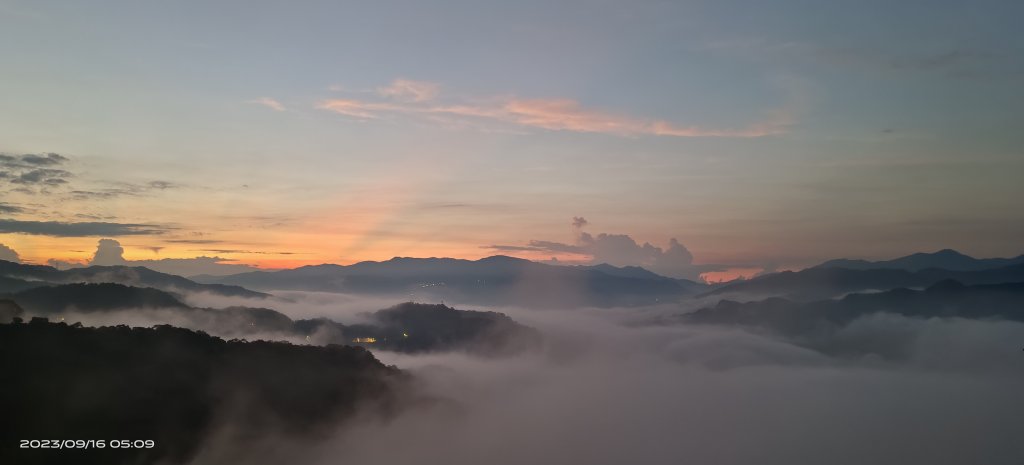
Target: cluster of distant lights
[(358, 340), (371, 340)]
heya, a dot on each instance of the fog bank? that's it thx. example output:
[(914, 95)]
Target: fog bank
[(605, 393)]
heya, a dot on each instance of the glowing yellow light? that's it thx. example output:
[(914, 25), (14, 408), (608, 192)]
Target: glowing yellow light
[(405, 334), (364, 340)]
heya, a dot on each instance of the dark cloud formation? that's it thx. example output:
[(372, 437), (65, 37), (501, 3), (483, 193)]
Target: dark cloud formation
[(42, 175), (88, 216), (34, 170), (84, 229), (110, 252), (8, 254), (122, 189), (161, 185), (30, 161), (549, 246), (36, 174), (48, 159), (194, 241), (510, 248), (579, 222), (9, 209)]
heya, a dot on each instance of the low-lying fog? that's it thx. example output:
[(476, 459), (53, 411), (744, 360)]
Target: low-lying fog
[(605, 392)]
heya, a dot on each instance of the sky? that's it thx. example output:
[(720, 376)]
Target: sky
[(692, 137)]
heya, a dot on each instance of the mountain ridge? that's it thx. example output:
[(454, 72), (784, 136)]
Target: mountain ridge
[(821, 283), (497, 279), (947, 259), (19, 276), (406, 327)]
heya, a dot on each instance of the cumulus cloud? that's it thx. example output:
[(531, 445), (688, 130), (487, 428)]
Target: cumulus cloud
[(110, 252), (419, 100), (85, 229), (622, 250), (8, 254)]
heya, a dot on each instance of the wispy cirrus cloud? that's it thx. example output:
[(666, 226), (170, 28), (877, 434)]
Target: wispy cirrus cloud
[(358, 108), (268, 102), (7, 208), (248, 252), (122, 189), (409, 90), (420, 100)]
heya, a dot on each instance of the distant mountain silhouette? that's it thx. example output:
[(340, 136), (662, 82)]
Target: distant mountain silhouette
[(945, 299), (408, 327), (92, 297), (492, 280), (946, 259), (635, 272), (826, 282), (174, 387), (15, 277)]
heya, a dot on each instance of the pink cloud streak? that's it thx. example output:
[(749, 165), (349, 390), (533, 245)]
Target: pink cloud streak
[(416, 99)]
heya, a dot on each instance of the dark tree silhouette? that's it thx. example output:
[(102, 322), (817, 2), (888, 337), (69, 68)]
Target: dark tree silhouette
[(172, 386)]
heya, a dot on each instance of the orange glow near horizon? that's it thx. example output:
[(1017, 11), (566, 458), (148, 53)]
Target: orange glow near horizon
[(295, 250)]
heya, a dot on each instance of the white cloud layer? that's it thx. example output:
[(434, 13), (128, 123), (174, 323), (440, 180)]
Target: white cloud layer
[(603, 393)]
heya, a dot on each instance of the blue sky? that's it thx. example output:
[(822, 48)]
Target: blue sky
[(756, 133)]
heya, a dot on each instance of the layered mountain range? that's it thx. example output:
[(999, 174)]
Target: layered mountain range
[(16, 277), (497, 280)]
